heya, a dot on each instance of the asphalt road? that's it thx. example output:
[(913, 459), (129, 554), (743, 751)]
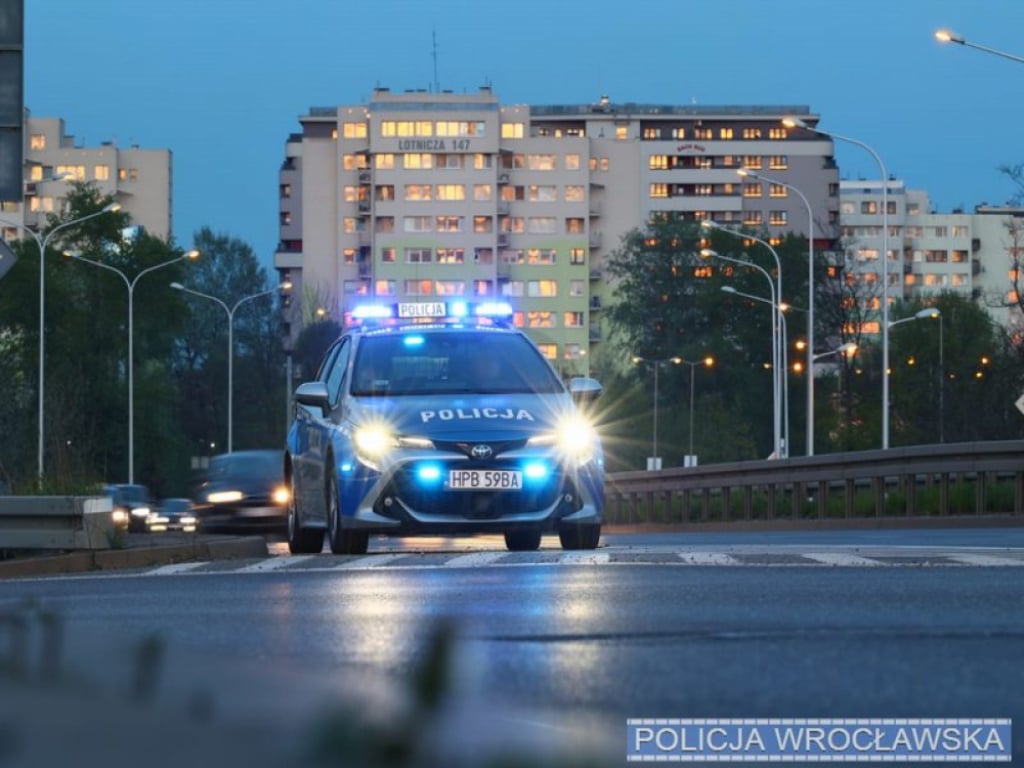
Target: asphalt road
[(556, 651)]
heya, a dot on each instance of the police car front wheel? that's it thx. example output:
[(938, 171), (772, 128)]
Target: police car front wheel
[(522, 541), (580, 536)]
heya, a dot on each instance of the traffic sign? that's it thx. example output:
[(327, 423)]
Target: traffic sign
[(1020, 403)]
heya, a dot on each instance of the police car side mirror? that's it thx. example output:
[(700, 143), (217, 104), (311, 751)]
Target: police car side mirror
[(313, 394), (583, 389)]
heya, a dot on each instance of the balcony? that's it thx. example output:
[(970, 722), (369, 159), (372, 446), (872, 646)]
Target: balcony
[(503, 178), (976, 268), (504, 208), (595, 239), (975, 243), (364, 177), (364, 206), (595, 333), (595, 303), (596, 208), (596, 274), (503, 240)]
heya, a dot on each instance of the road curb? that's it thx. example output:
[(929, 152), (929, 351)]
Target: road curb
[(198, 548)]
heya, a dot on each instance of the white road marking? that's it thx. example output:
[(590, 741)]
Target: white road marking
[(274, 563), (474, 559), (584, 558), (371, 561), (973, 559), (170, 570), (842, 559), (707, 558)]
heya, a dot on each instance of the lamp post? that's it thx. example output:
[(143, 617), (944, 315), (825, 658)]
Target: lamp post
[(931, 313), (810, 299), (655, 462), (707, 362), (707, 253), (130, 284), (945, 36), (792, 122), (42, 243), (231, 343)]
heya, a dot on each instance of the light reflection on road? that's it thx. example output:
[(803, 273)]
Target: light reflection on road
[(459, 544)]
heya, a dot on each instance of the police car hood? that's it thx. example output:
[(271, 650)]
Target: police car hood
[(478, 417)]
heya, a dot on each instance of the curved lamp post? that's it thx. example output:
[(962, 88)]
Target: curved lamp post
[(708, 253), (656, 364), (931, 313), (231, 342), (945, 36), (810, 298), (792, 122), (130, 284), (42, 243)]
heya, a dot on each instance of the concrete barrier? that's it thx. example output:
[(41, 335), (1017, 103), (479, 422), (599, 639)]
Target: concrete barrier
[(56, 522)]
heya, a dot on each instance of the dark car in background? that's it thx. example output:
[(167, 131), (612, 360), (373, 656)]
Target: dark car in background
[(174, 514), (242, 489), (131, 506)]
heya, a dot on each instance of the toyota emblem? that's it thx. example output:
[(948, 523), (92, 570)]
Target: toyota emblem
[(482, 451)]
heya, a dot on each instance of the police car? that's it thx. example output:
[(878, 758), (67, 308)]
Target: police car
[(441, 418)]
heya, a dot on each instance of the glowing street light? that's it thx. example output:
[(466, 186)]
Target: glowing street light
[(285, 286), (793, 122), (42, 243), (945, 36), (655, 462), (130, 284)]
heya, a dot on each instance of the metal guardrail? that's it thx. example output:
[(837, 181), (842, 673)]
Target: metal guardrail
[(878, 483), (56, 522)]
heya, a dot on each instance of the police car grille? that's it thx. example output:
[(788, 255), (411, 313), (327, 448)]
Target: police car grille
[(466, 448)]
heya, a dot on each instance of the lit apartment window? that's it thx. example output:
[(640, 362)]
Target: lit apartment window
[(540, 319), (384, 288), (659, 190), (448, 224), (725, 133), (450, 256), (574, 193), (418, 192), (576, 288), (936, 256), (550, 351), (621, 132), (777, 190), (36, 174), (349, 225), (417, 161), (451, 191), (847, 207), (959, 280), (542, 289), (483, 255), (44, 204), (574, 226), (513, 224), (751, 134), (483, 288), (482, 192), (778, 132), (450, 162), (869, 207), (418, 255), (387, 255), (348, 163), (385, 161), (652, 133), (753, 218), (385, 224), (513, 162), (958, 257), (542, 225), (703, 190), (348, 256), (353, 130), (513, 192), (572, 162), (577, 256), (658, 162), (101, 172), (37, 141), (459, 128), (959, 230), (481, 161), (542, 162), (513, 130), (357, 287), (418, 287), (778, 162), (544, 256), (867, 254), (513, 256), (703, 134), (512, 289), (482, 224), (753, 189), (77, 171), (417, 223), (286, 190), (450, 287), (542, 193), (572, 319), (913, 209), (777, 218), (753, 162), (909, 279), (678, 133)]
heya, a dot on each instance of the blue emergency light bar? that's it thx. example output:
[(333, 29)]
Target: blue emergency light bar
[(433, 311)]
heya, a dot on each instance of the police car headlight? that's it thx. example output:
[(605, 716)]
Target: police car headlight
[(574, 437), (372, 443)]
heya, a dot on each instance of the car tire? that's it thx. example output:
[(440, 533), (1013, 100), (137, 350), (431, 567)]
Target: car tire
[(580, 536), (301, 541), (343, 541), (522, 541)]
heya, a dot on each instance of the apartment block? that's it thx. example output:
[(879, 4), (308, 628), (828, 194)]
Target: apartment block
[(140, 179), (419, 195)]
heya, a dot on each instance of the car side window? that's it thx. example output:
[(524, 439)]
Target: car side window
[(336, 375), (327, 362)]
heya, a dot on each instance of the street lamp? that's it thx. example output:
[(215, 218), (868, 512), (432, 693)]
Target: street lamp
[(655, 462), (945, 36), (931, 313), (783, 356), (130, 284), (810, 299), (42, 243), (286, 285), (707, 362), (708, 253), (793, 122)]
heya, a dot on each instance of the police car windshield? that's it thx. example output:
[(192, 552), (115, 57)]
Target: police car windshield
[(450, 362)]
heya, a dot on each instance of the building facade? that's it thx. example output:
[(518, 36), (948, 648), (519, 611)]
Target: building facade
[(420, 195), (139, 179)]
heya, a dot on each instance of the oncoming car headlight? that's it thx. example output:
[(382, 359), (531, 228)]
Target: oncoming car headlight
[(573, 436)]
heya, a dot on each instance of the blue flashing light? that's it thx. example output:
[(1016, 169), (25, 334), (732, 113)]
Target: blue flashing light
[(458, 309), (413, 341), (428, 474), (536, 471), (346, 467), (494, 309), (372, 312)]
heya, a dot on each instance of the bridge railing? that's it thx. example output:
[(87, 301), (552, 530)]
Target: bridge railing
[(946, 479)]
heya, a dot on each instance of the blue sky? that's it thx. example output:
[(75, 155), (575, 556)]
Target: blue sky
[(222, 82)]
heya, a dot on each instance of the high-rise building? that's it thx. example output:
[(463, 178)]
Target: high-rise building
[(139, 179), (420, 195)]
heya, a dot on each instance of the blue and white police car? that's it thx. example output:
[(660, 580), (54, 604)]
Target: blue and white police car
[(441, 418)]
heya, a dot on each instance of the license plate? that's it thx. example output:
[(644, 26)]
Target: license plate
[(485, 480)]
